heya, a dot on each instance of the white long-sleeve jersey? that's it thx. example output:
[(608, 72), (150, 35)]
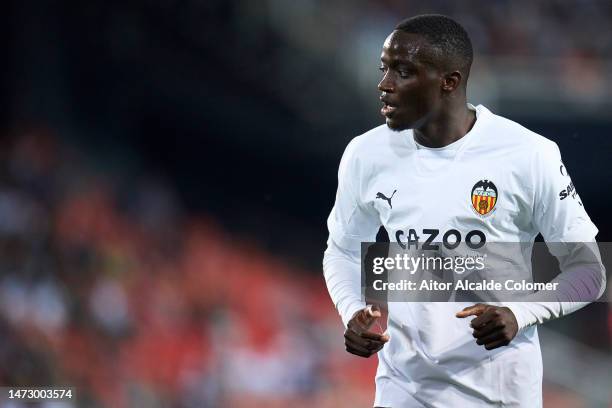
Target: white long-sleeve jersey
[(386, 178)]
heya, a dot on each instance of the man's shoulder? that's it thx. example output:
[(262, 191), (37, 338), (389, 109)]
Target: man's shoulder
[(372, 143), (369, 139), (513, 133)]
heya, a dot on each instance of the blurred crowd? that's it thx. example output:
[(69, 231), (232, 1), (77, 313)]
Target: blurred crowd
[(530, 57), (109, 287), (507, 28)]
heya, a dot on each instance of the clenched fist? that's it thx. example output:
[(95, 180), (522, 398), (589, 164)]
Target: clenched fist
[(494, 326), (358, 338)]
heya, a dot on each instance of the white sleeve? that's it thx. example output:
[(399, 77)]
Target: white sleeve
[(560, 217), (342, 272), (350, 223), (581, 281), (558, 212)]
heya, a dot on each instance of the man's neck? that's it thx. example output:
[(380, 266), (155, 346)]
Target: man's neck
[(447, 128)]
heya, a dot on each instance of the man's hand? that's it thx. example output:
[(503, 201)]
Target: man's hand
[(494, 326), (358, 338)]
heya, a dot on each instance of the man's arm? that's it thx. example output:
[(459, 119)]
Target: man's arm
[(582, 280), (341, 269), (570, 236), (350, 223)]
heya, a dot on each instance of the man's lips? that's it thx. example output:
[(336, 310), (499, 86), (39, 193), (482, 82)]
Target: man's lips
[(388, 110)]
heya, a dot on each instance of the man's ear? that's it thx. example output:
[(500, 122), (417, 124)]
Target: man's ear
[(451, 81)]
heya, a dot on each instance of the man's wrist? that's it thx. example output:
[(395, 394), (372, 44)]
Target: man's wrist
[(521, 314), (348, 312)]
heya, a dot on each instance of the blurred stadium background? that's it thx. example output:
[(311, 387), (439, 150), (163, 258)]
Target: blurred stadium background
[(166, 169)]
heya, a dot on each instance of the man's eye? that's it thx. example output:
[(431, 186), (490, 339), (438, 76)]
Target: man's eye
[(382, 69), (404, 74)]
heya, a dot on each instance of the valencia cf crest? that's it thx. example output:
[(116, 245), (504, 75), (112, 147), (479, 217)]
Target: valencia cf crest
[(484, 197)]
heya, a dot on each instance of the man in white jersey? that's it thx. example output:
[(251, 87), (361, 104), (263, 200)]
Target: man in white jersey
[(440, 165)]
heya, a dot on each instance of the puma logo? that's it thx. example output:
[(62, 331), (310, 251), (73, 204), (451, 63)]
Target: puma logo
[(384, 197)]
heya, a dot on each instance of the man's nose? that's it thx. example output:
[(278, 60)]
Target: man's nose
[(386, 84)]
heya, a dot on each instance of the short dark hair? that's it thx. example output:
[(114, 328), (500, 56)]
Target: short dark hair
[(446, 36)]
